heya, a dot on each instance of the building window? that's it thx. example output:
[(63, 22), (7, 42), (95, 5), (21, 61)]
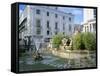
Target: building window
[(56, 25), (38, 31), (47, 39), (63, 17), (94, 13), (90, 27), (37, 11), (38, 26), (48, 24), (38, 23), (87, 28), (63, 26), (48, 32), (69, 27), (56, 15), (69, 18), (47, 13), (94, 27)]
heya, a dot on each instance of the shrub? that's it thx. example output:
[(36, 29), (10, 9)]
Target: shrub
[(57, 39), (84, 41), (78, 41), (90, 41)]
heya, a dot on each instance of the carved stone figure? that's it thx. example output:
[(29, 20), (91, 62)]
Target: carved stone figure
[(64, 41)]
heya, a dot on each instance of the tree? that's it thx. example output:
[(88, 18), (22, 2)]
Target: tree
[(57, 39), (85, 40), (78, 41), (90, 41)]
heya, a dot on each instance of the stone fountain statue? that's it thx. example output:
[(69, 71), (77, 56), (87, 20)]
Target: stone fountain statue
[(64, 41), (66, 44), (37, 55)]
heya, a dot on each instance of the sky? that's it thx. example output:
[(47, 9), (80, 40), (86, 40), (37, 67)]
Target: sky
[(21, 8), (77, 12)]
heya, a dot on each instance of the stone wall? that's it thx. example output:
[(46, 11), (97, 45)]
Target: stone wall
[(70, 54)]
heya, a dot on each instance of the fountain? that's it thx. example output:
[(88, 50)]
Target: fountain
[(37, 55), (37, 44)]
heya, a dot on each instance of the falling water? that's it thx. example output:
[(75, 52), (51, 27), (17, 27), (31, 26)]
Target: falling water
[(37, 44)]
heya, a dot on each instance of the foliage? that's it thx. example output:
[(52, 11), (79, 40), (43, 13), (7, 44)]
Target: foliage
[(90, 41), (57, 40), (78, 42), (85, 40)]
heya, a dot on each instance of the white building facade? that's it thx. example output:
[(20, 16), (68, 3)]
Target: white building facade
[(89, 20), (44, 22)]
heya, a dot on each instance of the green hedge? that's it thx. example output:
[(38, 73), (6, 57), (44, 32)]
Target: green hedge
[(78, 42), (90, 41), (81, 41), (84, 41), (57, 39)]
